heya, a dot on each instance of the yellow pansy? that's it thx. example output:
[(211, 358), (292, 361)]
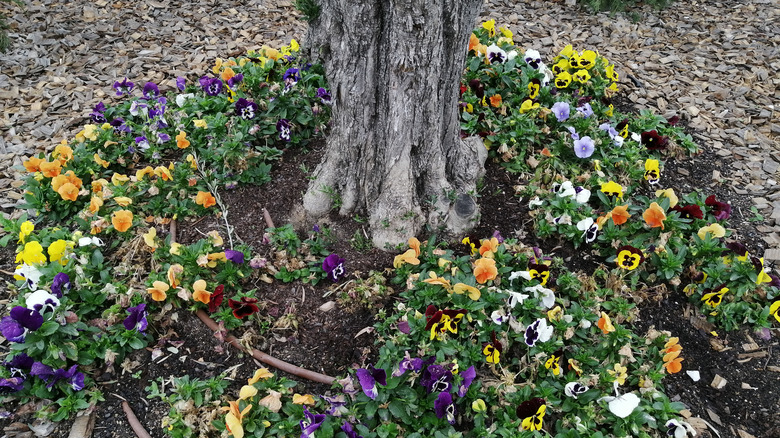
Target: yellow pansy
[(260, 374), (716, 230), (123, 201), (25, 230), (57, 250), (31, 254)]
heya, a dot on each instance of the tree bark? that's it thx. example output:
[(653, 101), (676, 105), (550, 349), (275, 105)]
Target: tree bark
[(394, 152)]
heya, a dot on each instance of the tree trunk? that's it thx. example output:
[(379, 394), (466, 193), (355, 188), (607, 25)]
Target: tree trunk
[(394, 152)]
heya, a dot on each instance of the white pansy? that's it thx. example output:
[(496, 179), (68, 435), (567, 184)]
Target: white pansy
[(31, 275), (547, 296), (181, 99), (515, 298), (84, 241), (621, 405), (40, 300), (535, 202)]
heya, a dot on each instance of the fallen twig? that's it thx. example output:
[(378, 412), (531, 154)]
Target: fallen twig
[(138, 428), (268, 220), (172, 230), (266, 358)]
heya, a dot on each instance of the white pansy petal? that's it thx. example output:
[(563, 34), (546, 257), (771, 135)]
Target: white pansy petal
[(584, 224), (583, 196), (623, 405)]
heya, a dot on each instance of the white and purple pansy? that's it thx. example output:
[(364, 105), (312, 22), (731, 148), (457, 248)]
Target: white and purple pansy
[(436, 378), (30, 274), (310, 423), (533, 58), (496, 55), (211, 86), (246, 109), (123, 87), (589, 229), (468, 376), (574, 389), (324, 96), (369, 377), (444, 407), (41, 301), (538, 331), (284, 128), (333, 265)]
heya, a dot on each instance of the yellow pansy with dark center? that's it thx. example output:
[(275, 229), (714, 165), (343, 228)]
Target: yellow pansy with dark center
[(532, 413), (540, 272), (492, 351), (587, 59), (563, 80), (582, 76), (560, 67), (713, 297), (652, 171), (533, 88), (629, 258), (612, 189), (554, 362)]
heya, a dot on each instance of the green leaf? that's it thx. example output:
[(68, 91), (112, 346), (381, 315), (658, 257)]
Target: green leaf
[(48, 328)]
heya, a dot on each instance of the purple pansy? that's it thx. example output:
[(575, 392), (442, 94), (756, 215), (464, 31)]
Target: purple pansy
[(310, 423), (408, 363), (333, 265), (19, 364), (181, 83), (211, 86), (585, 110), (235, 80), (436, 378), (444, 407), (498, 236), (561, 111), (606, 127), (404, 328), (123, 87), (324, 96), (283, 126), (468, 376), (246, 109), (137, 318), (162, 137), (52, 376), (97, 113), (584, 147), (337, 405), (142, 143), (15, 326), (291, 77), (368, 379), (347, 429), (234, 256), (150, 90), (11, 384), (119, 125), (573, 132)]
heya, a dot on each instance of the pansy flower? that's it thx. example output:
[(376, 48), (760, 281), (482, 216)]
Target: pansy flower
[(679, 429), (442, 321), (493, 350), (122, 220), (554, 362), (485, 270), (52, 376), (584, 147), (284, 128), (716, 230), (136, 320), (589, 229), (539, 271), (629, 258), (31, 276), (612, 189), (31, 254), (246, 109), (671, 359), (654, 216), (653, 141), (408, 363), (333, 265), (533, 58), (216, 298), (605, 323), (691, 211), (234, 256), (123, 87), (243, 308), (563, 79), (368, 379), (581, 76), (534, 85), (42, 301), (567, 190), (621, 405), (21, 320), (495, 55), (561, 111), (468, 377), (211, 86), (528, 105), (158, 290), (324, 96), (444, 407), (721, 210), (349, 431), (545, 295), (620, 214), (538, 331), (531, 412), (574, 389), (199, 292), (587, 59), (436, 378), (713, 297), (652, 171), (586, 110), (774, 310)]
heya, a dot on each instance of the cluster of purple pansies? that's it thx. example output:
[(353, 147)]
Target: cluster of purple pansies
[(21, 365), (333, 265)]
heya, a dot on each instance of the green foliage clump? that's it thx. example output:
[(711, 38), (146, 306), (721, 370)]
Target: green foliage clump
[(623, 5)]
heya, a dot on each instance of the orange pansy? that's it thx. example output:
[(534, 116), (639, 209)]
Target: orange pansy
[(181, 140), (654, 216), (94, 204), (173, 272), (620, 214), (489, 247), (50, 169), (157, 291), (205, 199), (33, 164), (122, 220), (415, 245), (605, 323), (199, 292), (473, 42), (68, 191), (485, 270), (495, 100)]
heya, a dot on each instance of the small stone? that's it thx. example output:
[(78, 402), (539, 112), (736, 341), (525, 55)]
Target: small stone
[(693, 111), (694, 375), (772, 254), (770, 166), (683, 171), (327, 307)]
